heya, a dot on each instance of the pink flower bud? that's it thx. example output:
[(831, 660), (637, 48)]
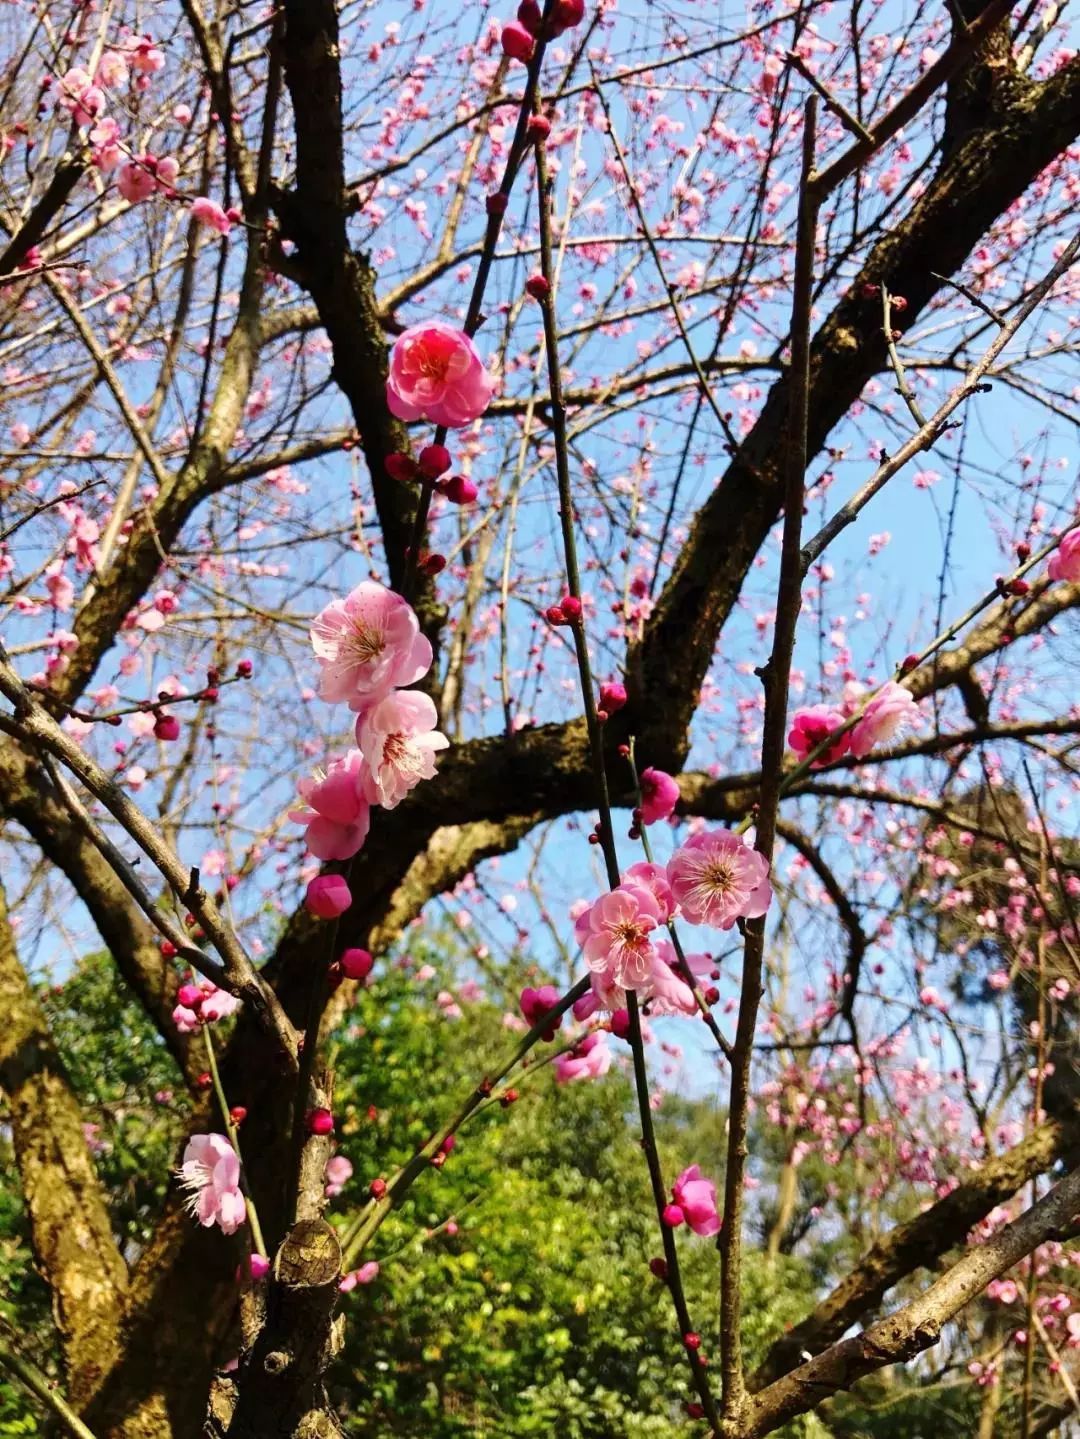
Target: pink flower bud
[(434, 460), (259, 1267), (539, 127), (537, 287), (189, 995), (620, 1023), (530, 15), (328, 896), (320, 1121), (460, 491), (612, 696), (571, 607), (356, 963), (673, 1216), (166, 727), (517, 42), (565, 14)]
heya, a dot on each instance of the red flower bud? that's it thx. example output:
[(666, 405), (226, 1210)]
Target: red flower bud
[(167, 948), (460, 491), (433, 564), (530, 15), (319, 1121), (620, 1023), (401, 467), (539, 127), (238, 1114), (434, 460), (245, 669), (377, 1188), (189, 995), (659, 1267), (537, 287), (204, 1080), (613, 697), (692, 1341), (554, 615), (571, 607), (672, 1216), (1023, 551), (496, 204), (166, 727), (356, 963)]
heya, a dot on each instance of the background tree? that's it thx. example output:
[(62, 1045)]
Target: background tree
[(728, 294)]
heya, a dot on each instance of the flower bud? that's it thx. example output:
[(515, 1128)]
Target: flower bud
[(433, 460), (672, 1216), (328, 896), (613, 696), (356, 963), (517, 43), (460, 491), (538, 287), (166, 727), (401, 467), (319, 1121)]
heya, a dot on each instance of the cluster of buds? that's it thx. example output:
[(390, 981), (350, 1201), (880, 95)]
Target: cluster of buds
[(519, 36), (429, 467), (566, 612)]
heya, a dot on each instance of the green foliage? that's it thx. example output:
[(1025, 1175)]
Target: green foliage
[(540, 1314)]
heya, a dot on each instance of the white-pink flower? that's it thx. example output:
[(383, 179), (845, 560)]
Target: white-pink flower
[(335, 808), (79, 95), (209, 212), (1065, 561), (210, 1172), (399, 740), (368, 644), (717, 878), (892, 710), (591, 1059), (618, 945)]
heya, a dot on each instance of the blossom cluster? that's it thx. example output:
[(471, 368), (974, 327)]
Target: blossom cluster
[(369, 647), (714, 878), (889, 712)]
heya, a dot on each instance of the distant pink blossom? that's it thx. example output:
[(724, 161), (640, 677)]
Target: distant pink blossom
[(659, 795), (717, 878), (437, 375), (591, 1059), (112, 70), (399, 740), (209, 212), (367, 644), (813, 724), (364, 1275), (339, 1171), (891, 710), (210, 1173), (696, 1198), (617, 944), (335, 809), (145, 175), (78, 94), (1065, 561), (145, 56)]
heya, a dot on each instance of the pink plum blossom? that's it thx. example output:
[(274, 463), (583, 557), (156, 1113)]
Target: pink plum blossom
[(696, 1198), (364, 1275), (339, 1171), (399, 741), (659, 795), (367, 644), (535, 1003), (1065, 561), (209, 212), (891, 710), (617, 944), (652, 877), (591, 1059), (112, 70), (437, 375), (210, 1173), (810, 726), (336, 810), (668, 991), (80, 96), (717, 878)]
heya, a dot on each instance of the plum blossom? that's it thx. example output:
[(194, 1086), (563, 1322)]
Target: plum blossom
[(364, 1275), (335, 808), (891, 710), (210, 1172), (535, 1003), (652, 877), (659, 795), (80, 96), (202, 1003), (399, 741), (717, 878), (339, 1171), (695, 1198), (209, 212), (668, 991), (1065, 561), (617, 944), (436, 374), (367, 644), (591, 1059), (812, 725), (328, 896), (145, 175)]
